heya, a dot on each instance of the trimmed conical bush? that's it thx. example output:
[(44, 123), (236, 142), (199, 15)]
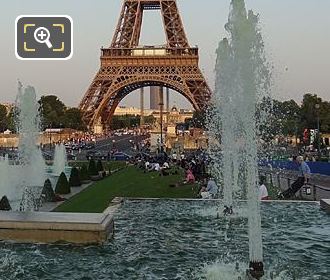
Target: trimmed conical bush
[(4, 204), (48, 193), (92, 171), (84, 175), (74, 180), (62, 186), (99, 166)]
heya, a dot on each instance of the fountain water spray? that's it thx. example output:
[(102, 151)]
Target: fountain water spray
[(60, 159), (242, 83), (29, 169)]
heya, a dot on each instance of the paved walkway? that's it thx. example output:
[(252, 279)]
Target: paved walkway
[(50, 206)]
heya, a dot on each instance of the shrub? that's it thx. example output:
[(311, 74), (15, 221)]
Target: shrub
[(48, 193), (99, 166), (74, 180), (108, 167), (4, 204), (62, 186), (84, 176), (92, 171)]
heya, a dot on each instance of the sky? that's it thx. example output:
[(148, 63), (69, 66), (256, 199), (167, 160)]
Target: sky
[(296, 34)]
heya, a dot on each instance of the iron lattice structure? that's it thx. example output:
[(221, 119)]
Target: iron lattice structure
[(126, 67)]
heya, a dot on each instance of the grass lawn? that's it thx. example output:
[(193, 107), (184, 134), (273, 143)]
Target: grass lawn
[(112, 165), (129, 182)]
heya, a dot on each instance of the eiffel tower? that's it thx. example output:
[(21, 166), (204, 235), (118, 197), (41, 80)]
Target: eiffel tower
[(126, 66)]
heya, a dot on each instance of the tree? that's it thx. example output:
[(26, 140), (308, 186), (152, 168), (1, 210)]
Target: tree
[(124, 121), (52, 111), (3, 118), (62, 186), (309, 113), (72, 118), (324, 117), (286, 119), (198, 120), (149, 119), (11, 125)]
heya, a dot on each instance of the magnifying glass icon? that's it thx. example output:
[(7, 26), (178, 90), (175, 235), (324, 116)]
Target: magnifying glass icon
[(42, 35)]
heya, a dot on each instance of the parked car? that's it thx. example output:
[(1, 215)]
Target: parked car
[(96, 155), (121, 156)]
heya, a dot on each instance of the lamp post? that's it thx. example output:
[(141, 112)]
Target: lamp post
[(317, 107), (161, 105), (60, 133), (296, 129), (50, 136)]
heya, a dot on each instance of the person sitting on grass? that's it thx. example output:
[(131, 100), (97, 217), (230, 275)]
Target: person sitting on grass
[(147, 165), (157, 166), (190, 178), (210, 191), (163, 172), (154, 166)]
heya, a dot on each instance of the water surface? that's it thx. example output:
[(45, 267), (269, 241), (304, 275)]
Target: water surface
[(178, 240)]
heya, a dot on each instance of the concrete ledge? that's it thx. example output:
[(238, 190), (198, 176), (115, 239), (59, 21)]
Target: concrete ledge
[(49, 227), (59, 227), (325, 205), (219, 199)]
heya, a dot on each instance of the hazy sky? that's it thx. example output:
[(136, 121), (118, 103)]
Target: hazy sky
[(296, 32)]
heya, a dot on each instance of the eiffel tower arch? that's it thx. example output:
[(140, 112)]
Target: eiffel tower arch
[(125, 66)]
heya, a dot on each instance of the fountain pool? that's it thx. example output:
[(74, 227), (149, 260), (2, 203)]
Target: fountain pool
[(180, 240)]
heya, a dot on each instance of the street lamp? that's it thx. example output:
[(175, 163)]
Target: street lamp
[(317, 107), (161, 105), (50, 136), (296, 129), (60, 133)]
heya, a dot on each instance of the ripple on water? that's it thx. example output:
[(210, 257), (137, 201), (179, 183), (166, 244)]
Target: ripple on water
[(168, 240)]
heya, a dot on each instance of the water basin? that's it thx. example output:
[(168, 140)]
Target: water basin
[(183, 240)]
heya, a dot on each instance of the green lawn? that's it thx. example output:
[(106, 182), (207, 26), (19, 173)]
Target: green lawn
[(112, 165), (129, 182)]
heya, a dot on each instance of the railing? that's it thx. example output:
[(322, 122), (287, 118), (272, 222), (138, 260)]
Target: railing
[(149, 52), (309, 191)]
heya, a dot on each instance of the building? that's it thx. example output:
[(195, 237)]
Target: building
[(154, 97), (175, 116), (122, 111)]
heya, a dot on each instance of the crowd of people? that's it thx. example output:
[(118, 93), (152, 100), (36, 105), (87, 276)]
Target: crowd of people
[(195, 172), (193, 164)]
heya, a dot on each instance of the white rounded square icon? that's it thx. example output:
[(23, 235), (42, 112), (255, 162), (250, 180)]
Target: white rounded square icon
[(43, 37)]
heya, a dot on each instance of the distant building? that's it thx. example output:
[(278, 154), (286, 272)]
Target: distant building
[(122, 110), (154, 98), (175, 115)]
